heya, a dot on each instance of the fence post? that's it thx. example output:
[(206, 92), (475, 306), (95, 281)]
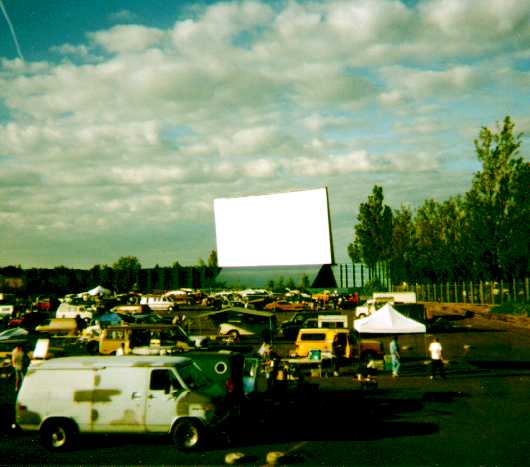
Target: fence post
[(492, 297), (447, 292), (526, 289), (514, 298), (501, 292), (362, 276), (481, 293)]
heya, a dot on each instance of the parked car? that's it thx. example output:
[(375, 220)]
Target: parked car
[(303, 319), (69, 310), (225, 369), (59, 326), (337, 343), (64, 397), (236, 322), (159, 337), (136, 309), (159, 303), (285, 305), (29, 320)]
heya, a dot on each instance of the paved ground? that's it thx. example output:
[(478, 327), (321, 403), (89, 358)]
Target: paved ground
[(478, 416)]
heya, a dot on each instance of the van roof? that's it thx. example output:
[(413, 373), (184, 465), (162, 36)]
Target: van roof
[(111, 361), (321, 330)]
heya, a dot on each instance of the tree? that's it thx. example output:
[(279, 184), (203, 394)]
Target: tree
[(402, 256), (127, 272), (305, 282), (212, 259), (498, 205), (373, 232), (290, 284)]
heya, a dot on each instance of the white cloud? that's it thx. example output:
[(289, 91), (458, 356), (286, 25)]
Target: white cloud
[(246, 97), (127, 38)]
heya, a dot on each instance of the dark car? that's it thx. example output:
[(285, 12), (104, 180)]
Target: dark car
[(224, 368), (303, 319)]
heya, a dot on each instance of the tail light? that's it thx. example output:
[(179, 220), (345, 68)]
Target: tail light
[(230, 386)]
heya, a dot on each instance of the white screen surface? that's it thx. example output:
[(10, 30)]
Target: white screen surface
[(282, 229)]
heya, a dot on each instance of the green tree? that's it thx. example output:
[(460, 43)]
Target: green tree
[(212, 259), (126, 273), (305, 282), (498, 205), (402, 256), (373, 232)]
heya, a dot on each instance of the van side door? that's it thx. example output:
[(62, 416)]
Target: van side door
[(162, 397), (118, 399)]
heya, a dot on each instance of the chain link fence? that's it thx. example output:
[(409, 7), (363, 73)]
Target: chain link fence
[(482, 293)]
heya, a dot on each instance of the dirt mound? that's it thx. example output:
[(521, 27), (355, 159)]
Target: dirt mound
[(436, 309)]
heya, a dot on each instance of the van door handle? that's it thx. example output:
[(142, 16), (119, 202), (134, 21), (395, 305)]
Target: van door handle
[(135, 395)]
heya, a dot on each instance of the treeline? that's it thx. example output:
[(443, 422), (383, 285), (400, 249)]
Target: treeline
[(126, 274), (480, 235)]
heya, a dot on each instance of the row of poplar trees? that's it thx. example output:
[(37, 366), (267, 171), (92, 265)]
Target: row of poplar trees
[(481, 235)]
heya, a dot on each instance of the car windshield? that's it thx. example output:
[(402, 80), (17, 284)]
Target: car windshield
[(14, 332), (193, 376)]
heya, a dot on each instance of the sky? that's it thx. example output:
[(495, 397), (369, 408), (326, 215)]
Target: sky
[(121, 121)]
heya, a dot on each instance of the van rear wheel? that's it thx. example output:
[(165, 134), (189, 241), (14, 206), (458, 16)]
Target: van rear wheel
[(57, 435), (187, 434)]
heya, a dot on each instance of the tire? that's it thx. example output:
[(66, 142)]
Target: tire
[(92, 347), (233, 334), (58, 435), (187, 434)]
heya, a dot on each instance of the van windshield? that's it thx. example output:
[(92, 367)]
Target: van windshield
[(193, 376)]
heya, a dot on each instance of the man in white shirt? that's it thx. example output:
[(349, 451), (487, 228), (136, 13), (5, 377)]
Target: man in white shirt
[(437, 365)]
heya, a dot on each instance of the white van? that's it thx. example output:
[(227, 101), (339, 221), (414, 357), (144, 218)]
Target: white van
[(159, 302), (63, 397), (68, 310)]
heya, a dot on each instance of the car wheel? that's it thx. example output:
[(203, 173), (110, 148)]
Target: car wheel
[(92, 347), (187, 434), (57, 435), (233, 334)]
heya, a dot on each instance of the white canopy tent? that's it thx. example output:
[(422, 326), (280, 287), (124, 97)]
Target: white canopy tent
[(99, 290), (387, 320)]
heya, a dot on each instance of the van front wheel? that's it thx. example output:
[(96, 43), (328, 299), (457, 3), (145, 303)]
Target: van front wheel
[(57, 435), (187, 434)]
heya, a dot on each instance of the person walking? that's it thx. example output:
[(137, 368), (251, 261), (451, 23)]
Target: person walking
[(437, 364), (19, 363), (395, 357)]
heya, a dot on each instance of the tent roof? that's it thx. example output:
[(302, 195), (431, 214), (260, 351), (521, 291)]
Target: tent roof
[(387, 320), (99, 290)]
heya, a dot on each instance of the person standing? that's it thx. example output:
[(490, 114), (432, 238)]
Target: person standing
[(395, 357), (18, 360), (437, 364)]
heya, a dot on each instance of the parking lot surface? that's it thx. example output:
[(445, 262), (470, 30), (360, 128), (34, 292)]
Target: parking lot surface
[(477, 416)]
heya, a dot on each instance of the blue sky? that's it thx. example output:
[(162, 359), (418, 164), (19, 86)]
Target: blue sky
[(125, 119)]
